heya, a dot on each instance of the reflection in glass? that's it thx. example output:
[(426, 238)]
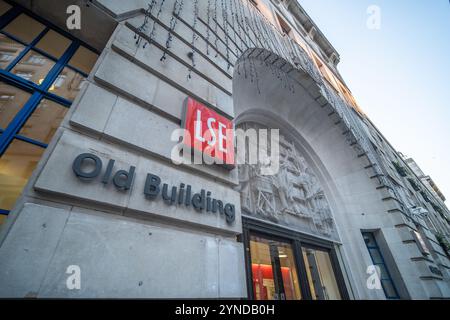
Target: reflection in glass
[(53, 43), (9, 50), (289, 272), (16, 167), (2, 219), (33, 67), (25, 28), (321, 278), (44, 121), (273, 270), (67, 84), (12, 100), (83, 59)]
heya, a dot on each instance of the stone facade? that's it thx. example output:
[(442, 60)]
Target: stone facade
[(338, 175)]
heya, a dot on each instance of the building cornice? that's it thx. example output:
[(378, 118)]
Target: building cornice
[(313, 30)]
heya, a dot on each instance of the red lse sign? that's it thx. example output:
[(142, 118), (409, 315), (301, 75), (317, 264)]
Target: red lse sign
[(208, 132)]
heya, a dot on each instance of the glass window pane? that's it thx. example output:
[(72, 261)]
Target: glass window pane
[(33, 67), (289, 272), (320, 275), (9, 50), (83, 59), (2, 218), (369, 239), (53, 43), (376, 256), (262, 272), (12, 100), (389, 289), (274, 270), (16, 166), (25, 28), (44, 121), (4, 7), (67, 84)]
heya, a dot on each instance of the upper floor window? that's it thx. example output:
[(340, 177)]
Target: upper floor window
[(285, 28), (378, 261)]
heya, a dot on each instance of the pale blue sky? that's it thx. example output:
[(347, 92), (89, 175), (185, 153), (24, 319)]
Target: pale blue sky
[(400, 74)]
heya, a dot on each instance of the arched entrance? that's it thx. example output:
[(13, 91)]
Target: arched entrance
[(292, 219)]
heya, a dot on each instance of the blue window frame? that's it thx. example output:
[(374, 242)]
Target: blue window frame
[(377, 259), (28, 53)]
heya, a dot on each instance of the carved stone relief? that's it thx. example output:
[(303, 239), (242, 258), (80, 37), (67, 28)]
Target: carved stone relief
[(293, 197)]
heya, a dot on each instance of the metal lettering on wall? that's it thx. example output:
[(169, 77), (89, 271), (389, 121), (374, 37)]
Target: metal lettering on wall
[(293, 197), (87, 166)]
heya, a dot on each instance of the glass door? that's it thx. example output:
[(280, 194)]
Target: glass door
[(273, 267), (321, 277)]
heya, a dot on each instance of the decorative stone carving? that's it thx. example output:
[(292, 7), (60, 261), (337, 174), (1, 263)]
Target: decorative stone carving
[(293, 197)]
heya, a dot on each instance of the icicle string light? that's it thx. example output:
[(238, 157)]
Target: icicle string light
[(177, 9), (238, 24), (215, 28), (225, 22), (143, 27), (208, 19), (194, 37), (153, 32)]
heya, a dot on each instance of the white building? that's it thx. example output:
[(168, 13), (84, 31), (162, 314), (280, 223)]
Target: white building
[(342, 205)]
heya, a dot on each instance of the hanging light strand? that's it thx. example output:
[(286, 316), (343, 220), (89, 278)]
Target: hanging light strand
[(143, 27), (208, 20), (194, 37), (177, 9)]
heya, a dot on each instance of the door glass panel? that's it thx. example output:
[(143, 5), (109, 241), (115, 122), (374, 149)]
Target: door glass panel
[(67, 84), (83, 59), (289, 272), (274, 272), (16, 167), (33, 67), (44, 121), (9, 50), (12, 100), (321, 278), (53, 43), (25, 28)]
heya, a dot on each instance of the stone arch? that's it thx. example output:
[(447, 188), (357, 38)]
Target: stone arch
[(301, 111)]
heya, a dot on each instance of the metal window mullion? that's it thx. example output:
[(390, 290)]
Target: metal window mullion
[(31, 141), (58, 99), (23, 115), (18, 82), (27, 49), (84, 74), (19, 120), (9, 16), (59, 66)]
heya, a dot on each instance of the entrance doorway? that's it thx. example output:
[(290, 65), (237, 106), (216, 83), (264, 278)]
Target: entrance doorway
[(285, 265), (274, 272)]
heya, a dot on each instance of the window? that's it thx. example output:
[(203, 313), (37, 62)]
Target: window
[(320, 273), (377, 259), (285, 28), (274, 272), (41, 72)]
